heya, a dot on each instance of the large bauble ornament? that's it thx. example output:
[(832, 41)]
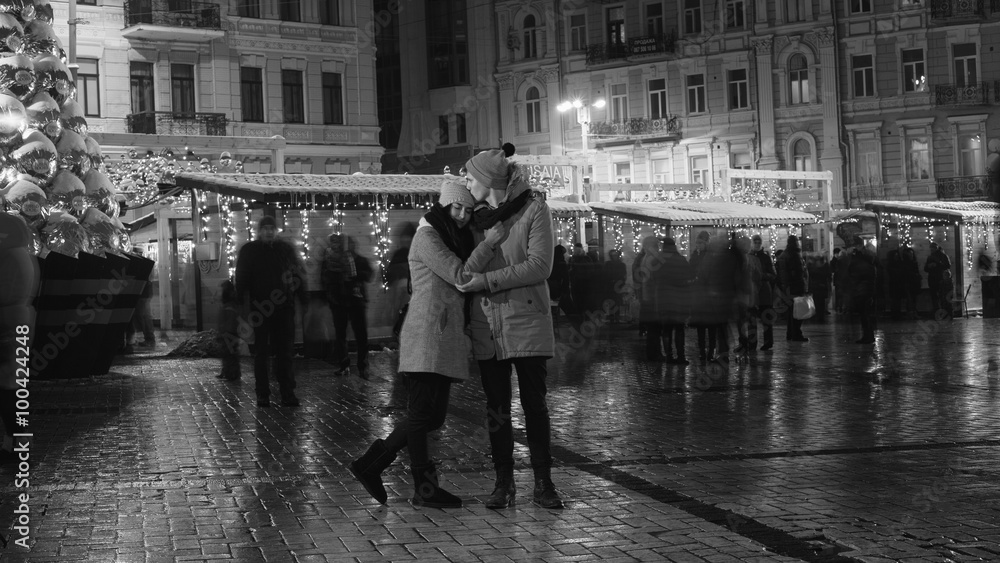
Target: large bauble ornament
[(95, 154), (36, 157), (73, 152), (68, 193), (11, 35), (72, 117), (13, 120), (64, 234), (17, 76), (43, 114), (28, 200), (25, 9), (43, 11), (53, 77), (39, 37), (101, 192)]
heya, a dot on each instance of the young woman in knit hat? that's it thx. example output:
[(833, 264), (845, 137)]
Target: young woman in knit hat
[(433, 349), (512, 321)]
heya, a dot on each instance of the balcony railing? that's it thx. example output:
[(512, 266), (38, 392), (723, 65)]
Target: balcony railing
[(971, 95), (870, 192), (965, 187), (636, 127), (170, 123), (941, 9), (649, 45), (172, 13)]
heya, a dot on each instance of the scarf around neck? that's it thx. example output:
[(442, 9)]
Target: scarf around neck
[(485, 217), (459, 241)]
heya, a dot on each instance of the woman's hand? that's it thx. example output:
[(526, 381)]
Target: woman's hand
[(495, 234), (477, 283)]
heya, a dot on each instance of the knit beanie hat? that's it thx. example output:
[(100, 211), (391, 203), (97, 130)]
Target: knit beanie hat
[(703, 236), (266, 221), (454, 191), (490, 168)]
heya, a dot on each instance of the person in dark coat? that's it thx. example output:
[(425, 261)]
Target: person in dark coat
[(904, 279), (229, 334), (820, 279), (721, 277), (615, 276), (935, 267), (269, 279), (673, 300), (863, 271), (706, 337), (650, 262), (793, 279), (581, 279), (344, 276), (764, 312), (559, 279), (637, 280)]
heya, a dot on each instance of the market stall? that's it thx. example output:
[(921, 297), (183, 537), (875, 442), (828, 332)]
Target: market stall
[(965, 230), (567, 220)]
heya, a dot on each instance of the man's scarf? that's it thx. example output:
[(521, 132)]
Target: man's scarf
[(485, 217)]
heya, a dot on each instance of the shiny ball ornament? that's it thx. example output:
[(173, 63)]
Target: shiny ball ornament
[(23, 8), (43, 115), (43, 11), (36, 157), (28, 200), (68, 193), (72, 117), (39, 37), (13, 120), (17, 76), (53, 77), (94, 151), (64, 234), (101, 192), (100, 230), (11, 35), (73, 152)]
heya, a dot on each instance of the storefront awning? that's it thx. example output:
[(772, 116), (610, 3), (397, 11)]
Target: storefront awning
[(703, 213), (294, 188), (562, 208), (955, 211)]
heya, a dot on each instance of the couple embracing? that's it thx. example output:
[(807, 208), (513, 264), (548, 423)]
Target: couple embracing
[(494, 291)]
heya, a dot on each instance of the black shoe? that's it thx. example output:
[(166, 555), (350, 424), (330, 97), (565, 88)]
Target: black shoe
[(766, 347), (427, 492), (545, 494), (263, 402), (368, 469), (504, 492), (290, 402)]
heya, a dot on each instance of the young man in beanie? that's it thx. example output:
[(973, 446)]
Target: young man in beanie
[(268, 280), (511, 319)]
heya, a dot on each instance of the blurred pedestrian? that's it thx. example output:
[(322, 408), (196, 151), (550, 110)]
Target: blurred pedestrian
[(904, 280), (434, 343), (748, 293), (397, 274), (583, 282), (947, 294), (558, 280), (269, 279), (229, 332), (820, 279), (935, 266), (864, 271), (673, 280), (706, 337), (142, 319), (793, 279), (650, 264), (763, 313), (614, 277), (512, 324), (345, 273)]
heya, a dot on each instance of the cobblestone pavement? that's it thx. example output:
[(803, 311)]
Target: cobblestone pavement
[(824, 451)]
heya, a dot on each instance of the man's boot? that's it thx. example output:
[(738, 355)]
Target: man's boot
[(368, 469), (545, 492), (427, 492), (504, 489)]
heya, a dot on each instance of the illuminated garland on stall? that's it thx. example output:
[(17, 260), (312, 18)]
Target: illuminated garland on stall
[(616, 231), (228, 234), (380, 230), (304, 213)]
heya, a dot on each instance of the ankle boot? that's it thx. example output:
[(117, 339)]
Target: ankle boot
[(427, 492), (504, 489), (368, 469)]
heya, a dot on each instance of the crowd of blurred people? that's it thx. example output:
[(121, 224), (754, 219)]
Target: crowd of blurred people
[(733, 292)]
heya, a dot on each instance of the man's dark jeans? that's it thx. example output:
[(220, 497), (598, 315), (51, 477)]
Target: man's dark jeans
[(356, 314), (531, 374), (427, 407), (275, 335)]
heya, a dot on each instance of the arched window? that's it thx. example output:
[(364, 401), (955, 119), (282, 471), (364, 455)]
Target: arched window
[(530, 38), (533, 110), (798, 76), (802, 156)]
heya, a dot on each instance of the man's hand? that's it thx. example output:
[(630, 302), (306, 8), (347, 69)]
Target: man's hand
[(477, 283), (495, 234)]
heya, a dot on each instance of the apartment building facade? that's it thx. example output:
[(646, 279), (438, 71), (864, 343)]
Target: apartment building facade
[(209, 77)]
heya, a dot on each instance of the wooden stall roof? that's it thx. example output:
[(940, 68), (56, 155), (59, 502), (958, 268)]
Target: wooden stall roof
[(956, 211), (703, 213), (562, 208), (299, 187)]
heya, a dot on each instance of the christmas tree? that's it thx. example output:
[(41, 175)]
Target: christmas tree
[(51, 172)]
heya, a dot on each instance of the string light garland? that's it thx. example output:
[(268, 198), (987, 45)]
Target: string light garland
[(380, 230)]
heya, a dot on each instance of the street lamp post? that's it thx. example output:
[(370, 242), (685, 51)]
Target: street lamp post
[(583, 118)]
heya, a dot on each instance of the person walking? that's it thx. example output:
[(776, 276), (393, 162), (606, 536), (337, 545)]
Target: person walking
[(904, 280), (935, 266), (344, 276), (864, 281), (673, 280), (434, 349), (269, 279), (615, 276), (229, 334), (793, 278), (650, 263), (763, 313), (511, 322), (706, 348), (558, 280)]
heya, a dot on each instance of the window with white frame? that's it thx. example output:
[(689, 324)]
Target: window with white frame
[(654, 19), (966, 73), (699, 170), (695, 93), (802, 157), (861, 6), (917, 144), (692, 16), (333, 98), (741, 160), (863, 68), (533, 110), (88, 87), (623, 172), (615, 30), (735, 14), (619, 102), (868, 168), (657, 98), (182, 88), (970, 151), (578, 32), (914, 77), (530, 37), (795, 10), (798, 79), (739, 89), (292, 96), (660, 170)]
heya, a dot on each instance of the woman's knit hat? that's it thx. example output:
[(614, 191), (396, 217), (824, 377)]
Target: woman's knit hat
[(490, 168), (453, 190)]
